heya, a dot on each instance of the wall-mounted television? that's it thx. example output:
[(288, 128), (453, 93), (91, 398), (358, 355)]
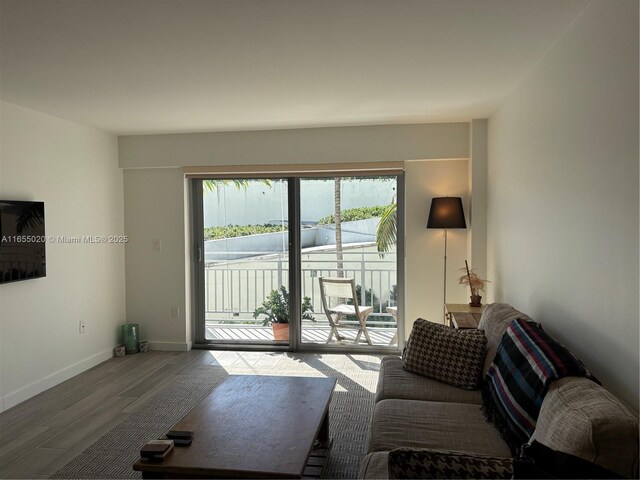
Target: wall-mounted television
[(22, 241)]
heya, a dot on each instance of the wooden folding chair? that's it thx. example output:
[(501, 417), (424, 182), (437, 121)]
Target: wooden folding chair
[(343, 289)]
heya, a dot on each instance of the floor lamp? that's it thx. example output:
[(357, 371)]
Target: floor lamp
[(445, 213)]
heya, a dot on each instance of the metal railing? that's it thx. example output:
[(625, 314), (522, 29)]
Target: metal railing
[(233, 290)]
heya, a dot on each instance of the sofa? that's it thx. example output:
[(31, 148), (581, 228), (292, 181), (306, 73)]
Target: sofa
[(577, 416)]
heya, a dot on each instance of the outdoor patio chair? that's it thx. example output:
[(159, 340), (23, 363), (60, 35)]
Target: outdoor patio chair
[(343, 289)]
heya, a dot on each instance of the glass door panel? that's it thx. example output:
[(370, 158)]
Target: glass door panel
[(246, 261), (349, 227)]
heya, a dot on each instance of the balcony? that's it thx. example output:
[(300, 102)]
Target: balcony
[(235, 288)]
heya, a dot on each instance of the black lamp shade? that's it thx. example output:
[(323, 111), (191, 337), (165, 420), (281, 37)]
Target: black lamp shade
[(446, 212)]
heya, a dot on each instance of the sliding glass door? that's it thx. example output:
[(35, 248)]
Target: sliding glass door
[(349, 227), (262, 248), (244, 253)]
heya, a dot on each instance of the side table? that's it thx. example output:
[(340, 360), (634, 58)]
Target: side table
[(461, 315)]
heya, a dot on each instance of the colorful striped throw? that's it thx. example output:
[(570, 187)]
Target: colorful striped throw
[(526, 362)]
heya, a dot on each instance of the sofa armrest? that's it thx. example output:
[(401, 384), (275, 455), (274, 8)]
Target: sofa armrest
[(428, 463)]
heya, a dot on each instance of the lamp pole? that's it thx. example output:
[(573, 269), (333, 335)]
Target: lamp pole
[(444, 295)]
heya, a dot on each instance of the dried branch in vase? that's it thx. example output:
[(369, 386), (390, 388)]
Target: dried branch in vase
[(472, 280)]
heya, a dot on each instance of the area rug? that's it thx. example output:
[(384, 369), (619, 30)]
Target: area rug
[(113, 455)]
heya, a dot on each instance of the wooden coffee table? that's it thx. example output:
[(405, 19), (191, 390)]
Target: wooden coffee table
[(253, 426)]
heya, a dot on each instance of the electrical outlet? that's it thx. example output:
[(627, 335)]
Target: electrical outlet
[(157, 245), (82, 326), (175, 312)]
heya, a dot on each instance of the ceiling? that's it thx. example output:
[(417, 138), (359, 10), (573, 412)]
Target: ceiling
[(157, 66)]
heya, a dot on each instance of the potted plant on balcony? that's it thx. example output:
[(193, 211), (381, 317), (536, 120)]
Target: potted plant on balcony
[(276, 310), (475, 284)]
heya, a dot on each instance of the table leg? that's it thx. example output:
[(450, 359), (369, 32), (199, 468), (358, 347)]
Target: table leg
[(319, 456), (323, 435), (152, 475)]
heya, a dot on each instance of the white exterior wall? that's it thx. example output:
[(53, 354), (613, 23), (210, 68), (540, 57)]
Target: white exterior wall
[(258, 204)]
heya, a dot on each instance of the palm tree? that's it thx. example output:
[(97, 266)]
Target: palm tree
[(337, 200), (213, 185), (387, 231)]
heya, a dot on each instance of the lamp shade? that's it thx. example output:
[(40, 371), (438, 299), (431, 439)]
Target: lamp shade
[(446, 212)]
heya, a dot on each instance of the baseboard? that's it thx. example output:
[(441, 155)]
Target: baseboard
[(18, 396), (170, 346)]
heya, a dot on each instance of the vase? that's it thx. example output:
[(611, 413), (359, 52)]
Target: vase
[(129, 334), (476, 301), (280, 331)]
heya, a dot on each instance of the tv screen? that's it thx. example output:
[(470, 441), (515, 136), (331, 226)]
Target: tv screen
[(22, 241)]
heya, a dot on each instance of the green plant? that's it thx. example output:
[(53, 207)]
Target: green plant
[(276, 308), (358, 213), (393, 295), (232, 231), (371, 299), (386, 233)]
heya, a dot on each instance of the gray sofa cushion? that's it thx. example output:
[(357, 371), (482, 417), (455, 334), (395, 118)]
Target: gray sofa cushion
[(395, 382), (437, 425), (495, 319), (581, 418), (375, 466)]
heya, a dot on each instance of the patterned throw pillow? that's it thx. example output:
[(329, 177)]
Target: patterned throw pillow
[(426, 463), (445, 354)]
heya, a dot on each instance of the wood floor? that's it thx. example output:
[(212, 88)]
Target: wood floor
[(41, 435)]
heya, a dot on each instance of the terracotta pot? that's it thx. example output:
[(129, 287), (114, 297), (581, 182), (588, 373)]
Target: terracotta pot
[(476, 301), (280, 331)]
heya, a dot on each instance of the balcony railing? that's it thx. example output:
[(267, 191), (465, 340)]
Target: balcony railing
[(235, 289)]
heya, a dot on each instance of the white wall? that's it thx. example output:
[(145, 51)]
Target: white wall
[(154, 209), (375, 143), (155, 198), (563, 194), (74, 170), (477, 206)]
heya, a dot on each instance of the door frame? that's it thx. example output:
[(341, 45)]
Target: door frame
[(196, 247)]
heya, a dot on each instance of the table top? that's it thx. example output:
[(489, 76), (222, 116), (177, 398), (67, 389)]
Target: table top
[(462, 315), (465, 320), (251, 426), (463, 308)]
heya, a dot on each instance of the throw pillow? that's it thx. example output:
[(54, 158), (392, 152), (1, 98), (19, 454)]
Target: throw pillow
[(445, 354), (427, 463)]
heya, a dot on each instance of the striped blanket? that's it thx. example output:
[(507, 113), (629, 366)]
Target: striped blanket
[(526, 362)]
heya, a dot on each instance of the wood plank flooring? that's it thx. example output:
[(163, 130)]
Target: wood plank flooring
[(44, 433)]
